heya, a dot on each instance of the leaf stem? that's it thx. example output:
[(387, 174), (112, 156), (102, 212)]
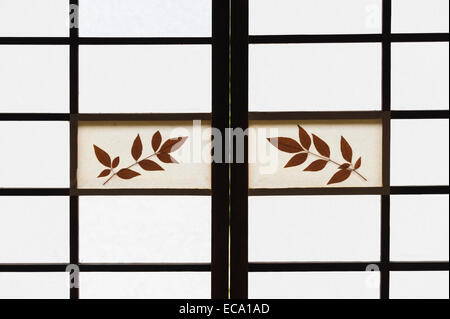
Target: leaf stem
[(336, 163), (132, 165)]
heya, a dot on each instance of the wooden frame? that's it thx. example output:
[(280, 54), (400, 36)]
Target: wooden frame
[(239, 172), (220, 182)]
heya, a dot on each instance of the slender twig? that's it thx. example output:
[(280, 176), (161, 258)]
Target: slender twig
[(132, 165), (336, 163), (330, 160)]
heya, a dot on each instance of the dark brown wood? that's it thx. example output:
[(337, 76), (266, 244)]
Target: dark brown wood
[(142, 192), (386, 106), (239, 171), (220, 171), (321, 115), (318, 191), (142, 117)]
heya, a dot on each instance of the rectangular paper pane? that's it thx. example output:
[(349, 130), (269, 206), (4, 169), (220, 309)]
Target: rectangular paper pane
[(34, 154), (314, 285), (419, 228), (135, 229), (419, 16), (34, 78), (140, 285), (186, 165), (34, 285), (273, 166), (145, 79), (143, 18), (410, 166), (314, 17), (314, 77), (420, 76), (308, 228), (34, 230), (32, 18), (419, 285)]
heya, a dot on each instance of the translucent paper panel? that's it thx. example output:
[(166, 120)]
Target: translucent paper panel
[(145, 79), (314, 285), (143, 18), (419, 285), (419, 16), (419, 228), (314, 77), (34, 285), (34, 154), (34, 230), (420, 76), (412, 167), (34, 78), (308, 228), (139, 285), (314, 17), (286, 164), (182, 158), (31, 18), (147, 229)]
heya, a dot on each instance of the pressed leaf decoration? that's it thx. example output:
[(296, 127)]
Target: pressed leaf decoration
[(302, 151), (161, 152), (286, 144)]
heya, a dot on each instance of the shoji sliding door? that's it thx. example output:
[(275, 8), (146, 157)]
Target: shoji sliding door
[(106, 110), (343, 190)]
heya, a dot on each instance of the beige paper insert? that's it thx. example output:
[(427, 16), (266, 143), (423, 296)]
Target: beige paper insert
[(346, 141), (184, 163)]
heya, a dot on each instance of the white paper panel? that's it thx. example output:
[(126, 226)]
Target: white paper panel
[(193, 169), (314, 16), (314, 77), (308, 228), (36, 285), (419, 16), (419, 152), (139, 285), (34, 78), (143, 18), (420, 228), (314, 285), (34, 154), (419, 285), (34, 18), (420, 76), (137, 229), (34, 230), (145, 79), (267, 164)]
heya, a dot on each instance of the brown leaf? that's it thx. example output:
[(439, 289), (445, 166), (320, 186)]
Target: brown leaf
[(166, 158), (149, 165), (156, 141), (297, 159), (102, 156), (305, 139), (344, 166), (358, 163), (136, 149), (116, 162), (316, 166), (173, 144), (285, 144), (321, 146), (340, 176), (104, 173), (346, 150), (127, 173)]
